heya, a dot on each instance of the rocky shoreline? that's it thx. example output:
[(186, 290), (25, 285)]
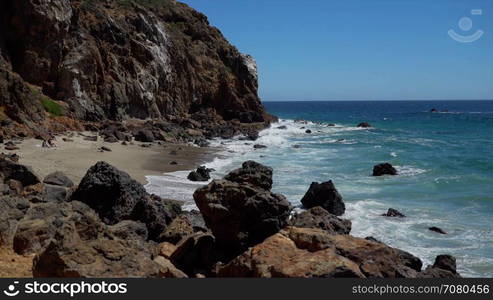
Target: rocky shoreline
[(109, 226)]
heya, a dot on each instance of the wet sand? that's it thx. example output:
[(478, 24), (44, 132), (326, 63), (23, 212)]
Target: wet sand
[(75, 157)]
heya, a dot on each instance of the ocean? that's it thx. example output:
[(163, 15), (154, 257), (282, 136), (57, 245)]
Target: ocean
[(444, 161)]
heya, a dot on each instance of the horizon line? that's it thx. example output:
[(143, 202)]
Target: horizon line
[(372, 100)]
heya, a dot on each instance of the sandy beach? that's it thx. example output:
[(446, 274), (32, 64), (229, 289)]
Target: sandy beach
[(76, 156)]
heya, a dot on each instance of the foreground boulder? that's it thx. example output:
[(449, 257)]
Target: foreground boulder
[(58, 179), (242, 214), (384, 169), (318, 217), (326, 196), (252, 173), (444, 267), (201, 174), (12, 210), (115, 196), (305, 252)]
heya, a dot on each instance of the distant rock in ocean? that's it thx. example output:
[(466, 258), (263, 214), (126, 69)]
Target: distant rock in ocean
[(384, 169), (364, 125)]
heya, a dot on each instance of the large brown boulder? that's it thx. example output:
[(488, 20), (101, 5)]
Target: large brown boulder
[(115, 196), (326, 196), (241, 215), (318, 217), (307, 252), (281, 255)]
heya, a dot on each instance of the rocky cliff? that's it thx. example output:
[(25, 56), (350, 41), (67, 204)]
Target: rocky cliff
[(94, 60)]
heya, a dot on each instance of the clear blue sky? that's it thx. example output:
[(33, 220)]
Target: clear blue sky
[(360, 49)]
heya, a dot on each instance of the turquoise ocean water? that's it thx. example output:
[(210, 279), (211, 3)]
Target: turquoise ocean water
[(444, 161)]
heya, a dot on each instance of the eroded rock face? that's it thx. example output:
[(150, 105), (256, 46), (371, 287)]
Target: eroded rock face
[(241, 215), (307, 252), (252, 173), (115, 196), (326, 196), (109, 60)]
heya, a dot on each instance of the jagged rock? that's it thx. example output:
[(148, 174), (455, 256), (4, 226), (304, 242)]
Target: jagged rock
[(252, 173), (10, 170), (444, 267), (178, 229), (196, 220), (129, 230), (384, 169), (282, 255), (194, 254), (202, 143), (437, 230), (115, 196), (12, 210), (54, 193), (145, 136), (307, 252), (325, 195), (393, 213), (241, 215), (318, 217), (364, 125), (201, 174), (59, 179)]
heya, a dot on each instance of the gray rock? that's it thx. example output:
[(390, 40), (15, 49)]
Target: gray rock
[(58, 178)]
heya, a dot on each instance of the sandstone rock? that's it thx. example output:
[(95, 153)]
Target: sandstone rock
[(201, 174), (115, 196), (129, 230), (393, 213), (252, 173), (444, 267), (59, 179), (166, 249), (318, 217), (241, 215), (325, 195), (280, 256), (167, 269), (384, 169)]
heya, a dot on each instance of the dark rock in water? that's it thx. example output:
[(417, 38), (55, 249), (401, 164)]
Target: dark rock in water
[(437, 230), (11, 170), (258, 146), (252, 173), (59, 179), (318, 217), (394, 213), (173, 163), (241, 214), (364, 125), (145, 136), (308, 131), (446, 262), (194, 254), (250, 136), (384, 169), (297, 146), (283, 127), (201, 174), (444, 267), (331, 125), (434, 110), (372, 239), (115, 196), (325, 195), (202, 143)]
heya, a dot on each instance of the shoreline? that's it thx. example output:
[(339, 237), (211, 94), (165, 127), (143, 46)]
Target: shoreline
[(75, 156)]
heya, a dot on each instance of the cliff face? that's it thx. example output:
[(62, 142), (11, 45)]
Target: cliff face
[(118, 59)]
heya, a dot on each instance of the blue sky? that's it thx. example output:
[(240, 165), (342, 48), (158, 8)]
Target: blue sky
[(360, 49)]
